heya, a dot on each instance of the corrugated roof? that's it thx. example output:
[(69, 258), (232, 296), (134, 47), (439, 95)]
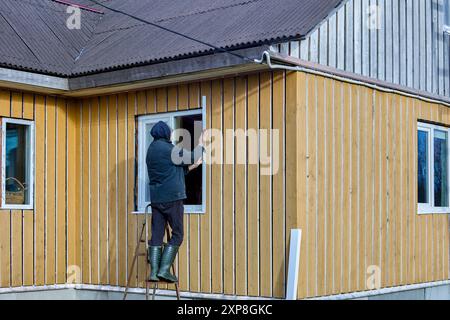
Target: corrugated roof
[(34, 36)]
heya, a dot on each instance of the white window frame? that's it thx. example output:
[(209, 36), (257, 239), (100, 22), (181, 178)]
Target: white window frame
[(30, 155), (428, 208), (142, 153)]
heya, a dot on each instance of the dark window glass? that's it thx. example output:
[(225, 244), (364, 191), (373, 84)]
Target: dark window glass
[(440, 169), (193, 124), (17, 155), (422, 167)]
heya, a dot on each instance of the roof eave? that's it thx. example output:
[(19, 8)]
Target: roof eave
[(147, 76)]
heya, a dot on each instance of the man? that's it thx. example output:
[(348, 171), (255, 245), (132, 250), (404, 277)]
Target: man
[(167, 166)]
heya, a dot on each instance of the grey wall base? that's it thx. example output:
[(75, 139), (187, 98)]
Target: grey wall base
[(440, 291), (431, 293), (75, 294)]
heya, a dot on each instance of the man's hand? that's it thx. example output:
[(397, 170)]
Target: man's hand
[(203, 138), (196, 165)]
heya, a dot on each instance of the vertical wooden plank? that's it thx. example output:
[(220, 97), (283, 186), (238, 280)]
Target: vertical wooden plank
[(347, 169), (85, 186), (141, 107), (228, 178), (240, 187), (194, 96), (94, 144), (418, 219), (384, 188), (216, 201), (354, 245), (161, 100), (265, 203), (172, 98), (5, 247), (278, 211), (412, 210), (28, 218), (205, 221), (5, 103), (320, 186), (130, 164), (405, 207), (73, 231), (252, 192), (122, 187), (370, 182), (296, 186), (394, 174), (311, 231), (329, 108), (40, 174), (103, 190), (61, 145), (28, 106), (50, 180), (151, 101), (16, 105), (338, 190), (112, 188), (16, 248), (28, 248), (183, 97), (376, 195)]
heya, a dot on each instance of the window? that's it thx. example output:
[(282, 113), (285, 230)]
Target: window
[(433, 169), (192, 122), (17, 164)]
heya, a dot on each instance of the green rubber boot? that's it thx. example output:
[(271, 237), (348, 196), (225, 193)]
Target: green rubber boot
[(154, 258), (168, 257)]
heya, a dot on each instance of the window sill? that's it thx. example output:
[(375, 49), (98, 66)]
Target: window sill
[(431, 210), (12, 207)]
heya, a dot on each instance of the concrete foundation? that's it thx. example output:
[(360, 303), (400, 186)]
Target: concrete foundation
[(82, 292)]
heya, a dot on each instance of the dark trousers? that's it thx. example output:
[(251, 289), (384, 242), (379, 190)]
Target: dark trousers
[(163, 213)]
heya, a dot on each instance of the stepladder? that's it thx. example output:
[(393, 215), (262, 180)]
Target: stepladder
[(144, 243)]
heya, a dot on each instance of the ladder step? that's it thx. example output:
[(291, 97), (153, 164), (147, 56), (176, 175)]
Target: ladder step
[(161, 282)]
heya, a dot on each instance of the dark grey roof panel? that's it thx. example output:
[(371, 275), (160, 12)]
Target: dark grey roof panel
[(34, 36), (113, 40)]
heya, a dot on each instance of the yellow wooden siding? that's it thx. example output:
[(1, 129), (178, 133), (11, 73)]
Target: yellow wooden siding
[(33, 249), (346, 178), (370, 188)]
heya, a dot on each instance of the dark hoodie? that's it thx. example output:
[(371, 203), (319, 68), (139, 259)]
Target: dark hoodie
[(167, 179)]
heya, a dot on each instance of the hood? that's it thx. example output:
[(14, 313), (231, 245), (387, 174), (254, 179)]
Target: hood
[(161, 131)]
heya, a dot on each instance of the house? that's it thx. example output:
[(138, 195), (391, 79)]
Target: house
[(351, 100)]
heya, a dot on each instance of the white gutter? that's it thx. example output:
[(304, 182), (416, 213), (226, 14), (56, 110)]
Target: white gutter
[(266, 57)]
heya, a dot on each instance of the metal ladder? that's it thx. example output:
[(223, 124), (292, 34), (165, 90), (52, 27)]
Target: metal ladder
[(137, 254)]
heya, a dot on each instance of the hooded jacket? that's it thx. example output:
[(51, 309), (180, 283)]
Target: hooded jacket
[(167, 178)]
